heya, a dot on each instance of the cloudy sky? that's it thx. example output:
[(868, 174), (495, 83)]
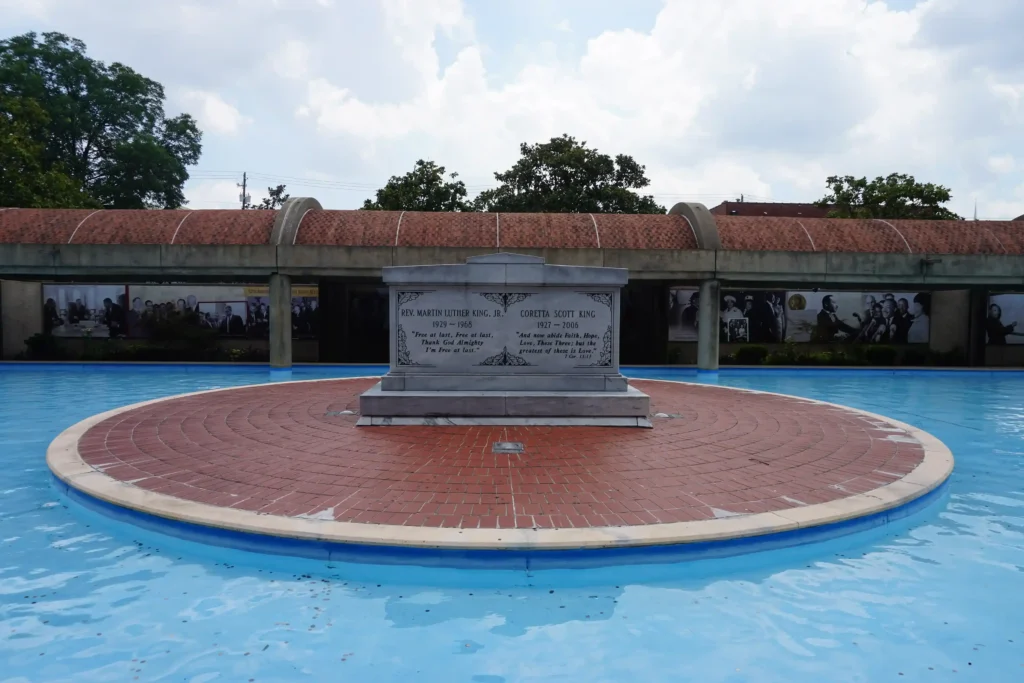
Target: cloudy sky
[(716, 97)]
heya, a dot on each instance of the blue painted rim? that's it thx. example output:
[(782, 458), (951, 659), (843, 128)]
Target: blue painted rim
[(636, 371), (493, 559)]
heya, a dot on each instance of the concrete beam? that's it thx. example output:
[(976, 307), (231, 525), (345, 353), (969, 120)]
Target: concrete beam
[(334, 261), (663, 264), (89, 262)]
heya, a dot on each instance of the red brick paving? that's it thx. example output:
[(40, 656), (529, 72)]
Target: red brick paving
[(282, 449)]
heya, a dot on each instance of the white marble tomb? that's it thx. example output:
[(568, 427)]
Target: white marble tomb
[(504, 337)]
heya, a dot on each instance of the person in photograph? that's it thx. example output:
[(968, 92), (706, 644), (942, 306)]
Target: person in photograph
[(232, 324), (136, 315), (113, 317), (51, 316), (903, 321), (683, 312), (763, 325), (313, 315), (252, 311), (192, 304), (297, 320), (307, 316), (729, 309), (869, 306), (996, 330), (920, 320), (77, 312), (729, 312), (120, 317), (830, 326), (888, 331), (870, 327), (779, 313), (181, 306)]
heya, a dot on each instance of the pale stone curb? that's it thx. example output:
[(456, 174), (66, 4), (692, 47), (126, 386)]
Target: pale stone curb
[(64, 461)]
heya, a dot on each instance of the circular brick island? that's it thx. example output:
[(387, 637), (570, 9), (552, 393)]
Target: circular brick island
[(283, 468)]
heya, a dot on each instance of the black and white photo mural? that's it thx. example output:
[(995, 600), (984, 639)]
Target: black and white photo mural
[(753, 316), (1004, 319), (858, 317), (74, 310), (770, 317)]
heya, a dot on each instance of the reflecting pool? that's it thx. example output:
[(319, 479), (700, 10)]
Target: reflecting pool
[(937, 597)]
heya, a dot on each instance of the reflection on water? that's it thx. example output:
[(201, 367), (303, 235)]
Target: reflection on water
[(85, 599)]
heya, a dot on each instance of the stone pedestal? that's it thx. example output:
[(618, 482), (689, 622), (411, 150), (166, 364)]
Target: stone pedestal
[(505, 337)]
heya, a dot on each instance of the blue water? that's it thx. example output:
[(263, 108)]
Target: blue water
[(938, 597)]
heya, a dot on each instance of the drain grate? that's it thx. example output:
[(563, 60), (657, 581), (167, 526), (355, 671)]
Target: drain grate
[(507, 447)]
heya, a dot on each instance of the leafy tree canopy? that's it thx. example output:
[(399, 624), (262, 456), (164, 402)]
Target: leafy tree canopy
[(895, 196), (424, 188), (23, 180), (565, 175), (275, 199), (104, 125)]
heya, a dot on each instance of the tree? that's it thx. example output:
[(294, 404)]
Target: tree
[(424, 188), (275, 199), (564, 175), (896, 196), (104, 124), (23, 181)]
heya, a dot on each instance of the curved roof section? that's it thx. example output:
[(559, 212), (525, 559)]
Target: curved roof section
[(508, 231)]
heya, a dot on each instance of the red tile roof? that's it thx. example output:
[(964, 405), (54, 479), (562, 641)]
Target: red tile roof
[(510, 231)]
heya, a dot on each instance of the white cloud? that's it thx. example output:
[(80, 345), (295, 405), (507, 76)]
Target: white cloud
[(1001, 164), (715, 98), (213, 194), (564, 26), (719, 98), (38, 9), (291, 61), (1005, 207), (214, 114)]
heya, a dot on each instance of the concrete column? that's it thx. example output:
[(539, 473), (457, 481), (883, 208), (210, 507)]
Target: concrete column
[(976, 343), (950, 321), (21, 304), (280, 322), (708, 317)]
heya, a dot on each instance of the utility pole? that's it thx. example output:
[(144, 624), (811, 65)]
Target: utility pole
[(244, 197)]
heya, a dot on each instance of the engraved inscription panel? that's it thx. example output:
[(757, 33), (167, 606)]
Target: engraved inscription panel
[(530, 331)]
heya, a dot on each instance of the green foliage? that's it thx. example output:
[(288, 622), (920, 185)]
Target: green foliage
[(565, 175), (23, 180), (425, 188), (880, 355), (839, 356), (275, 199), (895, 196), (103, 125), (750, 355), (44, 347)]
